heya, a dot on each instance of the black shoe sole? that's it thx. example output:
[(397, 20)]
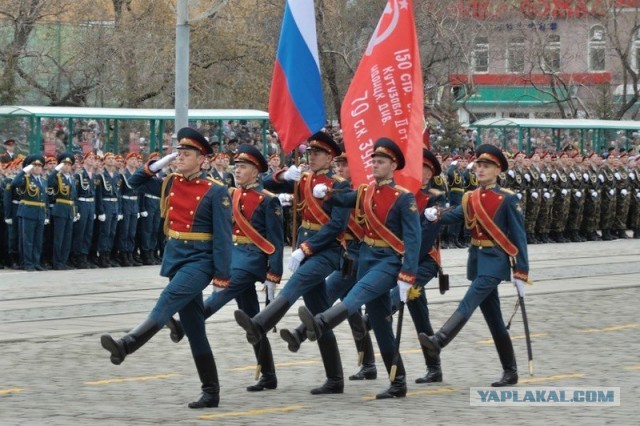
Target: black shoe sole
[(309, 322), (109, 344), (253, 334), (429, 345), (293, 343)]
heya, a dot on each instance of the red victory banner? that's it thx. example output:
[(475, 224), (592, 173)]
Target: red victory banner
[(385, 98)]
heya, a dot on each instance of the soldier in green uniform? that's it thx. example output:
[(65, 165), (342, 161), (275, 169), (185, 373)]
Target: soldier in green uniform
[(608, 202), (623, 188), (546, 199), (533, 196), (561, 199), (592, 197), (634, 210), (576, 204)]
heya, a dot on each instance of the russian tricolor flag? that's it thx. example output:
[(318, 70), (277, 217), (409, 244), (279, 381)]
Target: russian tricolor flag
[(296, 105)]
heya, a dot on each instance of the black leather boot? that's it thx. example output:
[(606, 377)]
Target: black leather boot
[(364, 346), (332, 366), (131, 341), (508, 361), (132, 259), (264, 358), (103, 260), (323, 321), (294, 338), (434, 371), (147, 258), (444, 336), (398, 388), (208, 373), (177, 331), (606, 235), (622, 234), (123, 259), (265, 320)]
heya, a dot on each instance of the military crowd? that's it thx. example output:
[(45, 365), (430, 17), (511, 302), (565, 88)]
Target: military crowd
[(565, 196)]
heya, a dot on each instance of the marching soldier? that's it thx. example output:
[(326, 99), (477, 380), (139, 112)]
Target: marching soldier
[(429, 263), (198, 225), (85, 182), (258, 244), (108, 209), (592, 197), (498, 236), (150, 222), (63, 195), (621, 173), (130, 211), (608, 201), (338, 285), (576, 204), (388, 258), (317, 255), (33, 212)]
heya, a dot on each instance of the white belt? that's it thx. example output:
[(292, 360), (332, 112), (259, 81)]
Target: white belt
[(151, 196), (130, 197), (115, 200), (88, 200)]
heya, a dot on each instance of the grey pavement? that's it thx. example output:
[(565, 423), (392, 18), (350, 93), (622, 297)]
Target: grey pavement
[(583, 311)]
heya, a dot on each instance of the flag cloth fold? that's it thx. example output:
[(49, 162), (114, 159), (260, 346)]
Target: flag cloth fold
[(385, 98), (296, 104)]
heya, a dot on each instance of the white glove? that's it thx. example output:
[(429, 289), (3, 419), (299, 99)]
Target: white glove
[(77, 217), (601, 177), (161, 163), (519, 284), (28, 169), (120, 217), (578, 194), (454, 163), (519, 195), (617, 175), (59, 166), (637, 196), (585, 177), (546, 195), (295, 260), (46, 221), (470, 165), (285, 199), (624, 192), (144, 214), (8, 221), (404, 288), (94, 217), (271, 289), (527, 176), (511, 173), (572, 176), (431, 213), (612, 192), (102, 217), (137, 215), (632, 175), (564, 192), (320, 190), (554, 176), (534, 195), (543, 177), (292, 173), (594, 194)]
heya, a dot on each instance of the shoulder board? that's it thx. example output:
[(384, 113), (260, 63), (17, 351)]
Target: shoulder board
[(507, 191), (268, 193), (401, 189), (231, 190), (216, 181), (435, 191), (338, 178), (305, 174)]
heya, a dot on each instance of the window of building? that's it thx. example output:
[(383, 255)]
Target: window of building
[(597, 48), (481, 54), (635, 51), (515, 55), (552, 53)]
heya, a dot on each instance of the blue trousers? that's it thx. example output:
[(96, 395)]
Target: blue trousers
[(83, 228), (107, 232), (12, 234), (183, 294), (127, 236), (31, 234), (483, 292), (242, 288), (373, 290), (62, 233), (149, 230)]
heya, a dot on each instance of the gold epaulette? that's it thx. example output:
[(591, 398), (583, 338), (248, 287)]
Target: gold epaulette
[(401, 189), (435, 191), (216, 181), (268, 193), (338, 178), (508, 191)]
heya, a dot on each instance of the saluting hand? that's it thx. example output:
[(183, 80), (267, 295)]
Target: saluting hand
[(320, 190)]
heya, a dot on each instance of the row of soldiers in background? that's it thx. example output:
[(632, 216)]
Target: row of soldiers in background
[(84, 215), (565, 197)]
